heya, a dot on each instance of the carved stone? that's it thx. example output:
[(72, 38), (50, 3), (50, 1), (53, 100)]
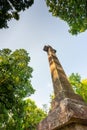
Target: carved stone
[(69, 111)]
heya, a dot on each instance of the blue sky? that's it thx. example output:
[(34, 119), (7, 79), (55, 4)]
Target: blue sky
[(37, 28)]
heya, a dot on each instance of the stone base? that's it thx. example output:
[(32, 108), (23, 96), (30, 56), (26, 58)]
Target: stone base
[(64, 95), (67, 112), (73, 126)]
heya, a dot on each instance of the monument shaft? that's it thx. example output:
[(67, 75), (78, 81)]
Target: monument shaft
[(59, 78)]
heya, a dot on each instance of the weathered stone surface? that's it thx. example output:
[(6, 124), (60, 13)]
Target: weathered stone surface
[(74, 126), (59, 78), (68, 111), (62, 95)]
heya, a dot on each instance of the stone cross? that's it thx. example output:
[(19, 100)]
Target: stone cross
[(69, 111)]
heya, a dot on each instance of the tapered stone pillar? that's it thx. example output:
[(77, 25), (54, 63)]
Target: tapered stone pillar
[(69, 111)]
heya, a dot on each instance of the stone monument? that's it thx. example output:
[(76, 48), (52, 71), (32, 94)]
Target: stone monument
[(69, 111)]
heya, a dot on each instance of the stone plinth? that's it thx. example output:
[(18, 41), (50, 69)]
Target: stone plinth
[(70, 114), (74, 126)]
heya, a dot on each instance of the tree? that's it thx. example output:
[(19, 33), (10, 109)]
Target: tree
[(15, 83), (33, 115), (79, 86), (74, 12), (10, 9)]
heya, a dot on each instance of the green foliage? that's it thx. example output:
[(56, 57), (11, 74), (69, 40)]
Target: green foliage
[(79, 86), (15, 84), (33, 115), (28, 117), (10, 9), (74, 12), (15, 76)]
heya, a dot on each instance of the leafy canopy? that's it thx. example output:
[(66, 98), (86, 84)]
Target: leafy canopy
[(10, 9), (28, 120), (79, 86), (15, 84), (15, 76), (74, 12), (33, 115)]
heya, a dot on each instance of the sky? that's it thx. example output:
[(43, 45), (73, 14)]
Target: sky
[(37, 28)]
